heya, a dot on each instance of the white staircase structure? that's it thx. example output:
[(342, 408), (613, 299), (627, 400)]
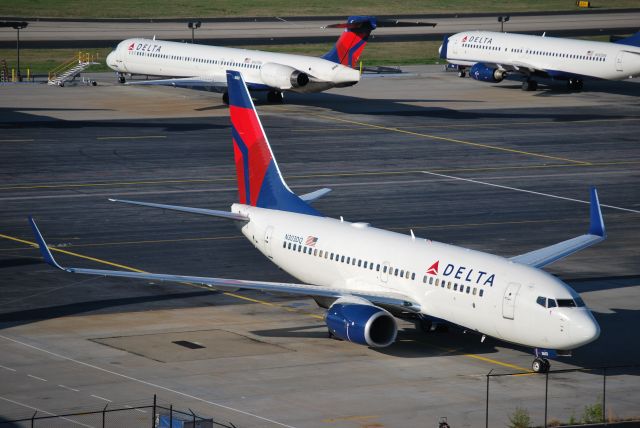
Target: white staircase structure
[(70, 70)]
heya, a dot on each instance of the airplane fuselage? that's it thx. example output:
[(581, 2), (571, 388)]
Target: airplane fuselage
[(262, 70), (559, 57), (479, 291)]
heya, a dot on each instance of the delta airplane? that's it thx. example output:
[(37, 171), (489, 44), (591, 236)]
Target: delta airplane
[(200, 66), (493, 56), (366, 277)]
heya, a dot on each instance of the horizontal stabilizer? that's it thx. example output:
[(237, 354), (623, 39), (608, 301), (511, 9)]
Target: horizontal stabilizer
[(202, 211), (545, 256), (314, 196), (391, 299)]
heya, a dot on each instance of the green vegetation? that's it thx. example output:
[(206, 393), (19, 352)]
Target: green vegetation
[(592, 414), (223, 8), (41, 61), (520, 418)]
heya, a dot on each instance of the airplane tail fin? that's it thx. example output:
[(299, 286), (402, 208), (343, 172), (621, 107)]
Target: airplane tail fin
[(631, 41), (444, 47), (260, 183), (352, 41)]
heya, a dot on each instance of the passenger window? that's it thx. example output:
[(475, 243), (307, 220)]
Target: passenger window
[(474, 291), (365, 264), (481, 292), (443, 283), (437, 281), (413, 276), (384, 269), (431, 280), (551, 303), (342, 259), (455, 287), (395, 272), (449, 285), (353, 261), (424, 279), (468, 289), (315, 251), (359, 262), (284, 244), (401, 273), (542, 301), (378, 267)]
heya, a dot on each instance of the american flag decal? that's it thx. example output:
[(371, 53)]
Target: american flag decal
[(311, 241)]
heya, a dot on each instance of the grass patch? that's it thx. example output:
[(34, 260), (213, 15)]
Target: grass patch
[(41, 61), (224, 8)]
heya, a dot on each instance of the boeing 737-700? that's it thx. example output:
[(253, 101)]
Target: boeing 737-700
[(492, 57), (366, 277), (201, 66)]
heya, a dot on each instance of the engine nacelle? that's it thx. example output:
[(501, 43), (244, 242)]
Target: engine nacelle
[(359, 321), (282, 76), (481, 72)]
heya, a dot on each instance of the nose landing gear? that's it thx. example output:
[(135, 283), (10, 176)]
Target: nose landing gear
[(540, 365)]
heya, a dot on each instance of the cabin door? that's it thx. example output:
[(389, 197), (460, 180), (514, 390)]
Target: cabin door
[(619, 61), (268, 237), (509, 300), (384, 272)]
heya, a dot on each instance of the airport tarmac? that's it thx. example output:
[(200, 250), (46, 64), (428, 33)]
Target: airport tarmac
[(483, 166)]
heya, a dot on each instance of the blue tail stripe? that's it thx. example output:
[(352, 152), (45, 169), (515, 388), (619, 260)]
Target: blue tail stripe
[(238, 96), (597, 223), (445, 46), (354, 49), (245, 161), (275, 196)]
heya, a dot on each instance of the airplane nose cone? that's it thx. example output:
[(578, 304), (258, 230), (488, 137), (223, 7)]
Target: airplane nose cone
[(584, 331), (111, 61)]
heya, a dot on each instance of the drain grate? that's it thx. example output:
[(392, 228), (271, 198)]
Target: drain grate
[(187, 344)]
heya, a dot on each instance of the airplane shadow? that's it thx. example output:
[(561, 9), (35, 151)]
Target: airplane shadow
[(17, 119), (558, 88)]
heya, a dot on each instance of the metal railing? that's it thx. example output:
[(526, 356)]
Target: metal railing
[(80, 58), (591, 393)]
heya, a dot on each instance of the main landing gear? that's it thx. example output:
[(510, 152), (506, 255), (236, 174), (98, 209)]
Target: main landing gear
[(574, 84), (540, 365), (121, 78), (529, 85), (275, 97), (462, 73)]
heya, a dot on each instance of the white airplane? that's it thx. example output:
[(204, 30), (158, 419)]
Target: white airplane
[(201, 66), (366, 276), (493, 56)]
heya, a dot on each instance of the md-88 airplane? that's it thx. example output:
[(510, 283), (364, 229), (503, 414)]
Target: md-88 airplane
[(492, 56), (366, 277), (204, 67)]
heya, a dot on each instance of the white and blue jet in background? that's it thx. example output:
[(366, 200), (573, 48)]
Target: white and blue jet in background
[(367, 277), (490, 56)]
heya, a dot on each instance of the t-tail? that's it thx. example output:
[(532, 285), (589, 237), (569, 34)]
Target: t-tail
[(260, 183), (352, 41)]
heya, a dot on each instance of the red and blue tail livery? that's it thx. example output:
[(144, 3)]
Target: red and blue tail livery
[(260, 183), (351, 43)]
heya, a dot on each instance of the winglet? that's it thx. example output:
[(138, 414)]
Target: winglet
[(46, 253), (597, 222)]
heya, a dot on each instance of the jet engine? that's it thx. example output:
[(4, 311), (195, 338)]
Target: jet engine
[(359, 321), (482, 72), (282, 76)]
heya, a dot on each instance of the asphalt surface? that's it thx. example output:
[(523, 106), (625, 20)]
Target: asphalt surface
[(483, 166), (66, 34)]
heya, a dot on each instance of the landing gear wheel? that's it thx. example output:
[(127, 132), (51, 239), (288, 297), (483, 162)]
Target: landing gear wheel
[(275, 97), (529, 85), (225, 98), (540, 365), (575, 84), (462, 73), (423, 325), (121, 78)]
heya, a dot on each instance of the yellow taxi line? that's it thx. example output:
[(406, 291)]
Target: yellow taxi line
[(451, 140)]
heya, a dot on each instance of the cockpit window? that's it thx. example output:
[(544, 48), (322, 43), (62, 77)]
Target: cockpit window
[(551, 303), (566, 303), (542, 301)]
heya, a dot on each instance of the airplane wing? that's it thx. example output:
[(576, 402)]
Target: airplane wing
[(545, 256), (186, 82), (394, 300), (213, 213)]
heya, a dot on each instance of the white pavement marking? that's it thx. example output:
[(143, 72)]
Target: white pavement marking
[(7, 368), (137, 410), (44, 411), (144, 382), (102, 398), (36, 377), (68, 387), (527, 191)]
